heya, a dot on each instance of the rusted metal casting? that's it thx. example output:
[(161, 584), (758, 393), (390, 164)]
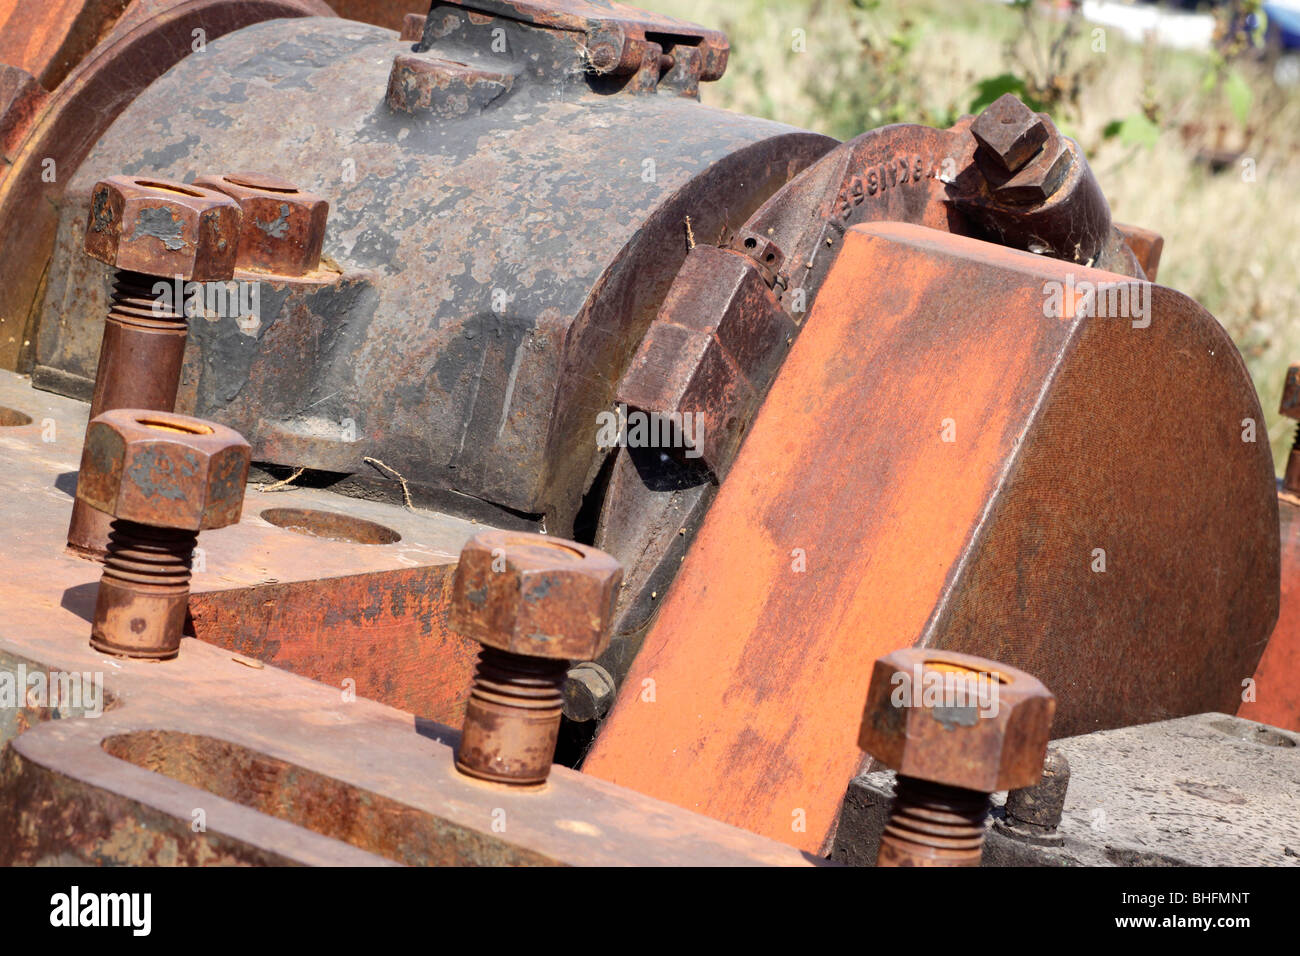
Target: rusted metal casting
[(161, 478), (534, 603), (727, 410), (503, 225), (956, 728)]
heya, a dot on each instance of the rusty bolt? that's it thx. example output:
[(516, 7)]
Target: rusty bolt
[(152, 231), (955, 728), (283, 226), (589, 692), (1040, 178), (163, 228), (163, 469), (1010, 133), (1289, 407), (534, 603), (1022, 155), (1033, 813), (162, 477)]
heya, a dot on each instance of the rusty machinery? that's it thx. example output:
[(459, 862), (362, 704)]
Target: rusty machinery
[(922, 397)]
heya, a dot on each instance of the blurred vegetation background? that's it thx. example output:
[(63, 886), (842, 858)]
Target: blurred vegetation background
[(1199, 145)]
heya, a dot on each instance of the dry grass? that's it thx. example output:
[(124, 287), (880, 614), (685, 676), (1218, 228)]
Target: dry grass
[(1229, 243)]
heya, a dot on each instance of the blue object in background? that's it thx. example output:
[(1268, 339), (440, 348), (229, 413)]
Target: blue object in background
[(1284, 23)]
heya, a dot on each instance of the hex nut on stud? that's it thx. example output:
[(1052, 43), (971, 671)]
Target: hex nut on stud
[(956, 728), (534, 602), (162, 228), (151, 231), (163, 478), (589, 692)]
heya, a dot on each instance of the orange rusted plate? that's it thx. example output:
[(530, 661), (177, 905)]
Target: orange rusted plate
[(850, 526), (381, 635), (1273, 697)]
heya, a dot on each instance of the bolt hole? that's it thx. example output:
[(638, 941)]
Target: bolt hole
[(771, 257), (545, 548), (168, 188), (180, 428), (962, 670), (751, 243), (262, 181), (331, 526), (1252, 733), (11, 417)]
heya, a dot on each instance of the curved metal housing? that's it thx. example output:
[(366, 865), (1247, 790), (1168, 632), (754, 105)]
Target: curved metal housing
[(506, 217)]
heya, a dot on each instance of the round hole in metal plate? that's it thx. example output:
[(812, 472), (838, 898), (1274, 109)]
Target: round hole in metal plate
[(331, 526), (11, 417), (263, 181), (160, 424), (170, 188), (547, 549), (1253, 733), (963, 672)]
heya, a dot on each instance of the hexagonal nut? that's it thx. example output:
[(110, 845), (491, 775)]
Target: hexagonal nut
[(164, 470), (957, 719), (1290, 404), (1010, 132), (1041, 177), (535, 595), (162, 228), (688, 396), (283, 227)]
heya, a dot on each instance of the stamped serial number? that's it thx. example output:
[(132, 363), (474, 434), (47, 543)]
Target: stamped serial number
[(898, 171)]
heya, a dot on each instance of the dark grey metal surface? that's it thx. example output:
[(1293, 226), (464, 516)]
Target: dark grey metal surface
[(486, 275)]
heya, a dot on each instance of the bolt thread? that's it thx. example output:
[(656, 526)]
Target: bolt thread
[(135, 303), (140, 556), (523, 683), (512, 718), (933, 824)]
